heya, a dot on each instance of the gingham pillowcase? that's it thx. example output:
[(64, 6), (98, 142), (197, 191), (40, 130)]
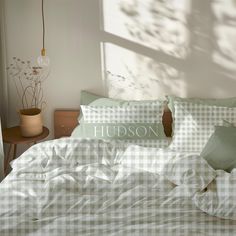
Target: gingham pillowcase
[(131, 122), (195, 123), (144, 113)]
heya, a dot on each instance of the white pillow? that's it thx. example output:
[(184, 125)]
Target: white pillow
[(195, 123)]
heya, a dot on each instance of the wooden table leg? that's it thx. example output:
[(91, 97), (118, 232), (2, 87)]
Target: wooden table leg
[(14, 152), (7, 160)]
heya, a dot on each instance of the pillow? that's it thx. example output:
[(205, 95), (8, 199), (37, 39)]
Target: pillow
[(91, 99), (220, 150), (87, 98), (227, 124), (131, 122), (223, 102), (195, 123)]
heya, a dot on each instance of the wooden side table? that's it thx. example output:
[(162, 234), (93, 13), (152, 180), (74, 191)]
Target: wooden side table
[(13, 137)]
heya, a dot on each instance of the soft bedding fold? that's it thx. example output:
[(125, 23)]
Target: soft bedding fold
[(83, 187), (214, 192)]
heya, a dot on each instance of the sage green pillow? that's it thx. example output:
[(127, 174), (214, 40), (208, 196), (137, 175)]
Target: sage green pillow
[(129, 120), (91, 99), (220, 150), (146, 130), (88, 98), (221, 102)]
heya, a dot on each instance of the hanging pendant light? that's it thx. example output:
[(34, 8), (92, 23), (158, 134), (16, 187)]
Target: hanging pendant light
[(43, 59)]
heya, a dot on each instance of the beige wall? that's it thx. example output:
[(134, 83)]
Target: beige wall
[(73, 45)]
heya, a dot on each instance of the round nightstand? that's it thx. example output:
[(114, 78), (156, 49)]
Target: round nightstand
[(13, 137)]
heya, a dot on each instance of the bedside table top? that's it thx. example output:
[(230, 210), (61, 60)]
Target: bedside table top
[(13, 136)]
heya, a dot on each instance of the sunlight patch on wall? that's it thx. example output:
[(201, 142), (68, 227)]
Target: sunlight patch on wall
[(158, 24), (225, 33), (133, 76)]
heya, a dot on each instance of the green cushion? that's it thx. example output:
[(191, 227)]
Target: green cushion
[(87, 98), (227, 124), (220, 150), (91, 99), (224, 102)]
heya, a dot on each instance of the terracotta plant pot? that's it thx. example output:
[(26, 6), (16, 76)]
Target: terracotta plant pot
[(31, 122)]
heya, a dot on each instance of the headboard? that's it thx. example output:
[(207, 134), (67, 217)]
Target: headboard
[(167, 122), (65, 120)]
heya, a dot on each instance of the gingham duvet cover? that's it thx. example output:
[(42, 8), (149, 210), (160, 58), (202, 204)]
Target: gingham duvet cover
[(90, 187)]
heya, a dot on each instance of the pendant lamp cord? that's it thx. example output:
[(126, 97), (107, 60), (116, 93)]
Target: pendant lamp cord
[(43, 23)]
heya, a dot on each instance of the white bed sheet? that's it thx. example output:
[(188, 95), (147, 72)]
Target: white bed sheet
[(81, 187)]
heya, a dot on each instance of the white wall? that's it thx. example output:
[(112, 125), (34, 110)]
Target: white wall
[(152, 69), (71, 43)]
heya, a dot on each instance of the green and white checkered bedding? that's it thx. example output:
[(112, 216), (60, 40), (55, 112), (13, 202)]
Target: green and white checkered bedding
[(194, 123), (93, 187), (141, 113), (141, 121)]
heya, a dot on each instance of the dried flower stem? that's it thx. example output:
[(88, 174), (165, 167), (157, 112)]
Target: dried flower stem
[(28, 82)]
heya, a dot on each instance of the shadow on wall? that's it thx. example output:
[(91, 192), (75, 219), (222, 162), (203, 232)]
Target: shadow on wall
[(181, 47)]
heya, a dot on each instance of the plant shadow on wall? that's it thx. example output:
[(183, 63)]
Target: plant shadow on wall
[(181, 47)]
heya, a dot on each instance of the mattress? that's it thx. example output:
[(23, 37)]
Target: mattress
[(87, 187)]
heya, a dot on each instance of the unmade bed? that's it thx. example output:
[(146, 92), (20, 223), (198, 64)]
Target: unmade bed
[(83, 187), (130, 179)]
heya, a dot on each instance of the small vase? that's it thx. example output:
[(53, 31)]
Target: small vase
[(31, 122)]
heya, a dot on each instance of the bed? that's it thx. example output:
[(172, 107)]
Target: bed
[(82, 186)]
